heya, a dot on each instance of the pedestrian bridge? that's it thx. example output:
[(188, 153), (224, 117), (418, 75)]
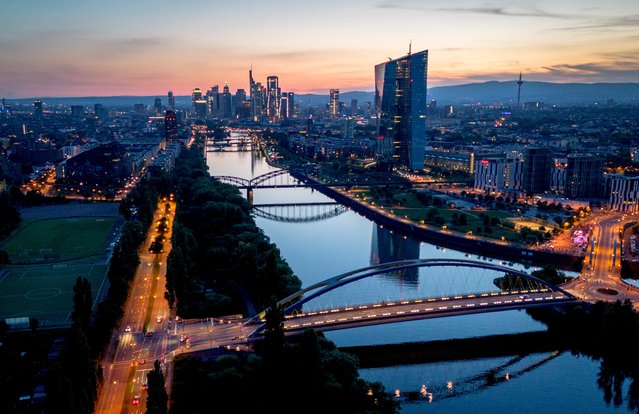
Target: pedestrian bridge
[(424, 288)]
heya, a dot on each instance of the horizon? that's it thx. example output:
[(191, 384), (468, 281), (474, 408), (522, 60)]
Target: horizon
[(146, 48), (316, 93)]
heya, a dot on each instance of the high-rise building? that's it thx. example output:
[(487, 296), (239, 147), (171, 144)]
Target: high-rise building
[(158, 105), (284, 106), (537, 169), (226, 102), (291, 105), (37, 108), (499, 174), (201, 108), (273, 96), (239, 100), (212, 98), (257, 101), (400, 104), (171, 101), (333, 103), (196, 95), (354, 107), (170, 125), (584, 176)]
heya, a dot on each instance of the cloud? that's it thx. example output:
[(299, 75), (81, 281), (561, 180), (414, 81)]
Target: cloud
[(495, 11), (619, 71), (618, 22)]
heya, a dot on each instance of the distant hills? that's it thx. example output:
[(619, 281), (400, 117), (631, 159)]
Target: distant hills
[(485, 93)]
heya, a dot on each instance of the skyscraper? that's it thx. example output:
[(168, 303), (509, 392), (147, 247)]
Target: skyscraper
[(170, 125), (37, 108), (226, 103), (353, 107), (171, 101), (537, 169), (158, 105), (584, 176), (334, 102), (291, 105), (284, 107), (196, 95), (273, 96), (400, 104), (77, 112)]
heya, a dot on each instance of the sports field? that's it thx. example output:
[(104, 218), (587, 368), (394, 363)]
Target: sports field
[(46, 292), (60, 239)]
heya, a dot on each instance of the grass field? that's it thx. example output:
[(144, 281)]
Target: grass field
[(45, 292), (59, 239)]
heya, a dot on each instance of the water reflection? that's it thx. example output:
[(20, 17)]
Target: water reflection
[(388, 246)]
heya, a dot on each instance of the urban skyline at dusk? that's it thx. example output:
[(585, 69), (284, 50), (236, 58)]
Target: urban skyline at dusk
[(145, 48)]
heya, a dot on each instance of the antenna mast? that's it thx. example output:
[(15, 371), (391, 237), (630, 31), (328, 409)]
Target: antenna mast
[(519, 82)]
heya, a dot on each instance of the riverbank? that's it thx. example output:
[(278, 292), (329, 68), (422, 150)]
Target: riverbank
[(446, 238)]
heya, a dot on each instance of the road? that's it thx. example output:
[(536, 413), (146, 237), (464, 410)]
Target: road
[(211, 333), (131, 354), (600, 278)]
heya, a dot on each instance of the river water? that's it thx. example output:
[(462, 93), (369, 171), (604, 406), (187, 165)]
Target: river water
[(316, 250)]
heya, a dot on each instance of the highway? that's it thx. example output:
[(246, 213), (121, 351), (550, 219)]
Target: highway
[(131, 354)]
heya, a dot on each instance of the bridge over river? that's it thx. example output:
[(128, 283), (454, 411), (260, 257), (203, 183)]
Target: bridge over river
[(441, 288)]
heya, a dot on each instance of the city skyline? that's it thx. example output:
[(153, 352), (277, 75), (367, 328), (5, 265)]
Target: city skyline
[(99, 49)]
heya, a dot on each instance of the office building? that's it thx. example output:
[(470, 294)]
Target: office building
[(537, 169), (170, 126), (498, 174), (584, 176), (157, 105), (170, 101), (226, 103), (273, 96), (77, 112), (333, 104), (37, 108), (624, 193), (196, 95), (201, 108), (400, 103), (354, 107), (284, 107)]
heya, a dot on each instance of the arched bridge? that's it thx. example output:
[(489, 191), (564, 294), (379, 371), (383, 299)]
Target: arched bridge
[(299, 212), (508, 289)]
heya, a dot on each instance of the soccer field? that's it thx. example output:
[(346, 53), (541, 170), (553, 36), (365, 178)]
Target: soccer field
[(46, 292), (60, 239)]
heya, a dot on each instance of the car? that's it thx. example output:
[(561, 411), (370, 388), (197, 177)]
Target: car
[(182, 338), (128, 328), (159, 319), (141, 362), (145, 386), (136, 400), (150, 333)]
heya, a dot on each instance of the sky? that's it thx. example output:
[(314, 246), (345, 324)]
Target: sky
[(139, 47)]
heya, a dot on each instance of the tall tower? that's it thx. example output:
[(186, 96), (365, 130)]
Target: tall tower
[(519, 82), (196, 95), (170, 125), (400, 104), (37, 108), (273, 97), (334, 102), (171, 101)]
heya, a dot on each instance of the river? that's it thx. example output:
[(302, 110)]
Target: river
[(316, 250)]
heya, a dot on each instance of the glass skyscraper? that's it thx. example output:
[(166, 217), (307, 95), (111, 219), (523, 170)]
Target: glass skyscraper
[(400, 102)]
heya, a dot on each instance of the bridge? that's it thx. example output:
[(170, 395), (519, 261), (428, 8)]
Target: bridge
[(434, 288), (299, 212), (296, 178)]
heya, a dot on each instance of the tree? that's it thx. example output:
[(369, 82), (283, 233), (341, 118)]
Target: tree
[(157, 398), (274, 339), (82, 303)]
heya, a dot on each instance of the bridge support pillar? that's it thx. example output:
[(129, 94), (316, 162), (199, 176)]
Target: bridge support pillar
[(249, 195)]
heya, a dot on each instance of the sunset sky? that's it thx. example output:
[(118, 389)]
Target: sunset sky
[(104, 48)]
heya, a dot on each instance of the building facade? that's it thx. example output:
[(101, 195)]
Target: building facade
[(584, 176), (624, 193), (400, 103), (537, 169)]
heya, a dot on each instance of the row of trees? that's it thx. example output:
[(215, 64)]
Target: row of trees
[(220, 261)]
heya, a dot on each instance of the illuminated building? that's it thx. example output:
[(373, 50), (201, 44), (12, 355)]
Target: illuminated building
[(584, 176), (170, 126), (284, 105), (37, 108), (273, 97), (499, 174), (226, 103), (400, 103), (196, 95), (158, 105), (624, 193), (353, 107), (201, 108), (334, 102)]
